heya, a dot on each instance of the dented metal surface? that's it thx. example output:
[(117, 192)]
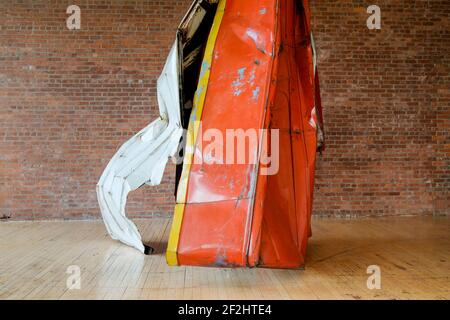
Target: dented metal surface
[(261, 75)]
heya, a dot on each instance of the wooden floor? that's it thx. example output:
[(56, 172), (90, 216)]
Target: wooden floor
[(413, 254)]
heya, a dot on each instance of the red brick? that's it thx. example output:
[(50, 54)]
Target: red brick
[(69, 99)]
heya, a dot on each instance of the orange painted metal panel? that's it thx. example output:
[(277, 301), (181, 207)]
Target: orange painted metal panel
[(214, 234), (262, 76)]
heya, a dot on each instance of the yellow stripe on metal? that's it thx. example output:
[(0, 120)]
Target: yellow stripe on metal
[(193, 128)]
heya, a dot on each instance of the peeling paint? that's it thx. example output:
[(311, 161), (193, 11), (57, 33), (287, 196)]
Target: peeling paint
[(256, 93), (241, 73), (252, 77), (205, 67), (237, 92), (197, 96), (220, 261), (237, 84)]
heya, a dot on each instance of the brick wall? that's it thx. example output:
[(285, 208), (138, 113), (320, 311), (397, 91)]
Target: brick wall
[(386, 99), (68, 99)]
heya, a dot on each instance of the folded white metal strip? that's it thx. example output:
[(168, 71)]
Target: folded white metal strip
[(142, 159)]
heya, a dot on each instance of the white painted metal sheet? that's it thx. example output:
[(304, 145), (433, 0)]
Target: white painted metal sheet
[(143, 158)]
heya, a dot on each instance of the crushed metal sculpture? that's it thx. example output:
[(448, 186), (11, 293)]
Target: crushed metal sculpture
[(240, 70)]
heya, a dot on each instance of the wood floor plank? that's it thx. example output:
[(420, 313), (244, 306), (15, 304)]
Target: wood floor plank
[(413, 254)]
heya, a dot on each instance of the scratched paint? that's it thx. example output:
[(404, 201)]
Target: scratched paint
[(257, 40), (197, 96), (252, 34), (205, 67), (251, 80), (238, 84), (256, 93)]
